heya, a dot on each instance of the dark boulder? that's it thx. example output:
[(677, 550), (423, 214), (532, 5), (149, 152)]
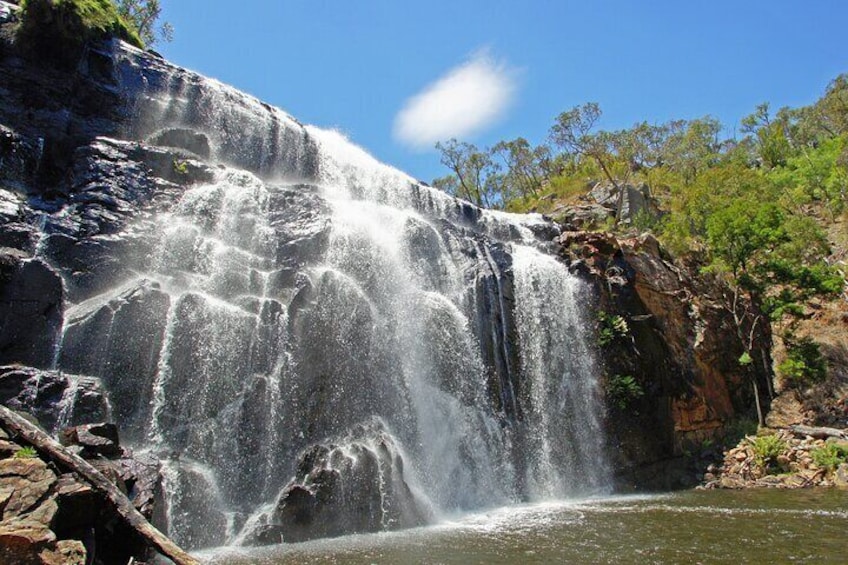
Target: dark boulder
[(119, 341), (351, 486)]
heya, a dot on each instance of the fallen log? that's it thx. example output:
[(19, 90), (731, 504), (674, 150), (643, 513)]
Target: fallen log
[(818, 432), (51, 449)]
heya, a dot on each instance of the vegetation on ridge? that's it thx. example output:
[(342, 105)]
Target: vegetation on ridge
[(52, 26), (57, 30)]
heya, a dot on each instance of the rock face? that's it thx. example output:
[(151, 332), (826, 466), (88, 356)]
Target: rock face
[(355, 485), (678, 345), (31, 300)]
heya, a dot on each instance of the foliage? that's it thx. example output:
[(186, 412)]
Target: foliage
[(610, 328), (623, 390), (766, 449), (180, 166), (73, 22), (472, 172), (57, 30), (144, 17), (830, 456), (804, 362), (25, 453)]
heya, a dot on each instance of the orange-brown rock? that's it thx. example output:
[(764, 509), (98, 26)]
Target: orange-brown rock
[(683, 349)]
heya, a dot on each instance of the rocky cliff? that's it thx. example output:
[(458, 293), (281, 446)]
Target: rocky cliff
[(678, 346)]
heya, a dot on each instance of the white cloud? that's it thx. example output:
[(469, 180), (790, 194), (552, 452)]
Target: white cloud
[(464, 101)]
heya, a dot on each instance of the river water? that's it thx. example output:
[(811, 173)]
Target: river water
[(762, 526)]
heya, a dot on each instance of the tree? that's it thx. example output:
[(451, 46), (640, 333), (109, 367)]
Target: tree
[(144, 16), (525, 166), (770, 135), (471, 169), (573, 132), (691, 147)]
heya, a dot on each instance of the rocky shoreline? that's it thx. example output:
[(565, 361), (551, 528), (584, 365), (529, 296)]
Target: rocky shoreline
[(793, 457)]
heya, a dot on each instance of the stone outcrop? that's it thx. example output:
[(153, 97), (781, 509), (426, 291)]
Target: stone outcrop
[(605, 203), (680, 348), (31, 301)]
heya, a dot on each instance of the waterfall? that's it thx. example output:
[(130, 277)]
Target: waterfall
[(565, 454), (312, 296)]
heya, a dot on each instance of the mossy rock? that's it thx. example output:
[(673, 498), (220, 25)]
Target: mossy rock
[(56, 31)]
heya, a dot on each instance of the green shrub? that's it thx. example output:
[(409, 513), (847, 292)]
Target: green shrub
[(804, 363), (180, 166), (830, 456), (25, 453), (766, 449), (624, 390), (610, 328), (57, 30)]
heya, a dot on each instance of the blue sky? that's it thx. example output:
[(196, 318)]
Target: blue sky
[(355, 65)]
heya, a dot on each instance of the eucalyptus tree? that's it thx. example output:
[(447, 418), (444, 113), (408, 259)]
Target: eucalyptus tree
[(471, 170), (144, 16)]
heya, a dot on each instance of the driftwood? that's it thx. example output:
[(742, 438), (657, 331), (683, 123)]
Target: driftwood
[(818, 433), (121, 504)]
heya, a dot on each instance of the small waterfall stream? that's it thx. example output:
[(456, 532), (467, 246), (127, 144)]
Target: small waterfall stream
[(311, 295)]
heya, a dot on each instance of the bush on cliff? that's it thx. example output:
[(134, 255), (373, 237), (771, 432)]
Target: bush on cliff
[(56, 31)]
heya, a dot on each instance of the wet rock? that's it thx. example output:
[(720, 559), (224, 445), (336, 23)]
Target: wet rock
[(54, 398), (189, 140), (31, 296), (19, 160), (354, 485), (119, 340), (95, 439)]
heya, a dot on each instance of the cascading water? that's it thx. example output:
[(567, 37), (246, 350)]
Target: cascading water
[(561, 376), (310, 295)]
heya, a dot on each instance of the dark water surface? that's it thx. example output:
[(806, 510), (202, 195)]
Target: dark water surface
[(762, 526)]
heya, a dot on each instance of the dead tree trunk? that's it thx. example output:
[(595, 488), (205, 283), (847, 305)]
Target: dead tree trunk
[(51, 449)]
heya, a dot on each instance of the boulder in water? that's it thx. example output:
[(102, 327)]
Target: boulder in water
[(352, 485)]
